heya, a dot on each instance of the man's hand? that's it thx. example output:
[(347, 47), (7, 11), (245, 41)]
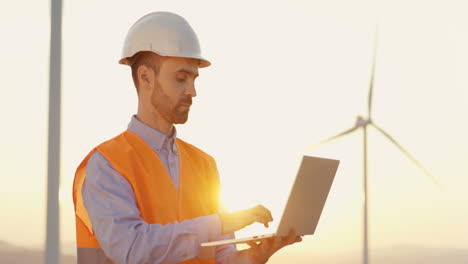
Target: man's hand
[(261, 252), (231, 222)]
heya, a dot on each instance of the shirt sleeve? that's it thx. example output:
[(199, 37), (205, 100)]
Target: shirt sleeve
[(228, 254), (124, 236)]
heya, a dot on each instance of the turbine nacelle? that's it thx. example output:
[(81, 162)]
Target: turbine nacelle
[(362, 122)]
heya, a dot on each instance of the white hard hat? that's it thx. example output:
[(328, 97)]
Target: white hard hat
[(164, 33)]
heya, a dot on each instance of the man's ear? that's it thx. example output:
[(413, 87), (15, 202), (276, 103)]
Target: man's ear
[(145, 76)]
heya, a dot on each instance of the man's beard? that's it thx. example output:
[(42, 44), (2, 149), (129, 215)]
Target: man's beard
[(170, 112)]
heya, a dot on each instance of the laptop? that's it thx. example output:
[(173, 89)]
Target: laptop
[(305, 203)]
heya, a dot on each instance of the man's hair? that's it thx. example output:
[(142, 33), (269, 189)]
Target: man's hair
[(147, 58)]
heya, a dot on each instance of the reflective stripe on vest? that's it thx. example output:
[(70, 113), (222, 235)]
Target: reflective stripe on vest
[(157, 199)]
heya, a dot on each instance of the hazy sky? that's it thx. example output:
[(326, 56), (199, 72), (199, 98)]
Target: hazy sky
[(284, 75)]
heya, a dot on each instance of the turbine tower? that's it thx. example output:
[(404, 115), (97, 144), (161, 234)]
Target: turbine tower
[(52, 248), (364, 122)]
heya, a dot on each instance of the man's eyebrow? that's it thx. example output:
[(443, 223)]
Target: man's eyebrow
[(189, 72)]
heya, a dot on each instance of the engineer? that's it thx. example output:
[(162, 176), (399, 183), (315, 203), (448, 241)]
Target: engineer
[(146, 196)]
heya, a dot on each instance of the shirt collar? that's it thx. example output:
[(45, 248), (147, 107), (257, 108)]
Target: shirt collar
[(153, 137)]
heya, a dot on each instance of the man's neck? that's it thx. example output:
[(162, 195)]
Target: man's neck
[(156, 121)]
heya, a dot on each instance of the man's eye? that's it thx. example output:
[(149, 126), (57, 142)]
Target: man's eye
[(181, 77)]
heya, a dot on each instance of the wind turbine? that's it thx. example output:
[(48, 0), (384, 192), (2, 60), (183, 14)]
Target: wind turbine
[(52, 248), (363, 122)]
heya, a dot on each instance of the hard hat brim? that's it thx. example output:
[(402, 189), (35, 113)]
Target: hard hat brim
[(203, 62)]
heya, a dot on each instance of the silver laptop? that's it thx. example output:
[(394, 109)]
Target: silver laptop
[(305, 202)]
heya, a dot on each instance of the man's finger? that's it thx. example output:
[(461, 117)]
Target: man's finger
[(262, 211), (259, 219), (267, 243), (292, 236), (266, 212), (252, 244), (277, 244)]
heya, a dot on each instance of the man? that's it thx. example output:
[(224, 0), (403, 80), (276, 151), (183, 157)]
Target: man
[(146, 196)]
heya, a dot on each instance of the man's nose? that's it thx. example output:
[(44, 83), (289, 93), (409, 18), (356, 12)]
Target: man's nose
[(191, 91)]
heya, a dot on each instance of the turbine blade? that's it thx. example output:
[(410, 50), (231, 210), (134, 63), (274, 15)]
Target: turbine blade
[(371, 84), (344, 133), (411, 157)]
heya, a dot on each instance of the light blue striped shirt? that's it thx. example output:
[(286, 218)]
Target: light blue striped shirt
[(124, 236)]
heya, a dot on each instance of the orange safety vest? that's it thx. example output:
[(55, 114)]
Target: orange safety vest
[(156, 197)]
